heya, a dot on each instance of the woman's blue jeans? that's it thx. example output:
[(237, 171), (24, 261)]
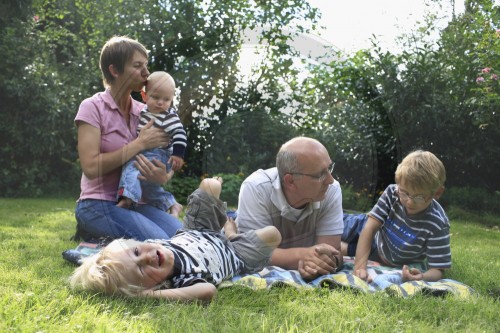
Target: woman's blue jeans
[(103, 219)]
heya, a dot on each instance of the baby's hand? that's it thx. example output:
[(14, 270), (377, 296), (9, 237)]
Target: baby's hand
[(176, 162)]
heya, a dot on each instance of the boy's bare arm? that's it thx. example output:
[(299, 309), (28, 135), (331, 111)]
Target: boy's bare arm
[(197, 292), (364, 247), (414, 274)]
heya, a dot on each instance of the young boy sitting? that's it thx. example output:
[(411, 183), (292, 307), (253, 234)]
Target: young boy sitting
[(407, 225), (194, 261)]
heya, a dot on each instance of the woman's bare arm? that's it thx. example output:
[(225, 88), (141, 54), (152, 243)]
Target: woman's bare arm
[(95, 164)]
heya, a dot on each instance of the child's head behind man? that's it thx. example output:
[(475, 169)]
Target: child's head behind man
[(420, 178), (159, 92)]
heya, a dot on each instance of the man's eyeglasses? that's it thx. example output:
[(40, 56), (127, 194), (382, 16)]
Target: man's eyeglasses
[(418, 199), (321, 177)]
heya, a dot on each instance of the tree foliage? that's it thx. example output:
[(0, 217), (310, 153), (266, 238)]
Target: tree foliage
[(369, 109), (379, 106), (197, 41)]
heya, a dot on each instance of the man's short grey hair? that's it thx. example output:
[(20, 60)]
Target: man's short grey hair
[(286, 162)]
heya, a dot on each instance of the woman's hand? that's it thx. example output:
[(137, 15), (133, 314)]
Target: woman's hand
[(152, 137), (153, 172)]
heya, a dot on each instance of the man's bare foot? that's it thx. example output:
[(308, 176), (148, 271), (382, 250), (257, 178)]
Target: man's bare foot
[(176, 209), (230, 228), (212, 186), (124, 203)]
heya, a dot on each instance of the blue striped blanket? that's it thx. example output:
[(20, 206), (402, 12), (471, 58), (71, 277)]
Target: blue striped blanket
[(385, 279)]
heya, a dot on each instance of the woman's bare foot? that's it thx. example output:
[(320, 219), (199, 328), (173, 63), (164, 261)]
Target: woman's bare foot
[(176, 209)]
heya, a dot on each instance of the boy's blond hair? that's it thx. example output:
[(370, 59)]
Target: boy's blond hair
[(421, 170), (102, 273)]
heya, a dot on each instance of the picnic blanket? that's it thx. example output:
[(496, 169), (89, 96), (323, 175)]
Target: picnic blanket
[(385, 279), (84, 249)]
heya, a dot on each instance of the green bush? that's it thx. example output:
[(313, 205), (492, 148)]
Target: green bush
[(181, 187), (231, 188), (360, 201), (458, 199), (459, 202), (472, 198), (467, 216)]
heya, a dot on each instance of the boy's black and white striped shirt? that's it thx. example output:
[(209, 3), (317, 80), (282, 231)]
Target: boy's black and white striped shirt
[(169, 122), (201, 256)]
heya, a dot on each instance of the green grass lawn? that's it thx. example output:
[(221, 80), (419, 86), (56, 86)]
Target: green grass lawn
[(35, 297)]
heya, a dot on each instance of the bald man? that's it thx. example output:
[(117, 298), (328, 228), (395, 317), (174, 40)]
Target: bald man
[(301, 198)]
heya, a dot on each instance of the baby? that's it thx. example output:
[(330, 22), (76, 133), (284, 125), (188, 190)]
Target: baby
[(158, 95)]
